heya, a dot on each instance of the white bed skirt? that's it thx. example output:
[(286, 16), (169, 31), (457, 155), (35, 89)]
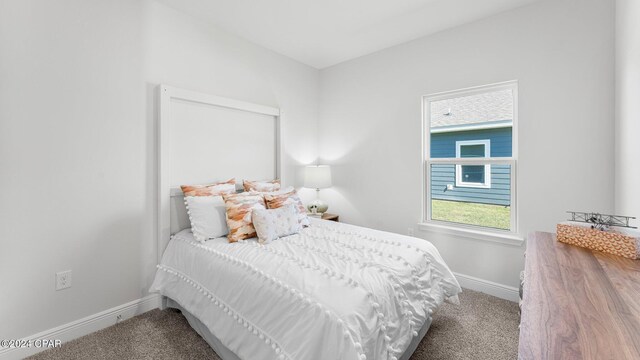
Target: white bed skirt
[(226, 354)]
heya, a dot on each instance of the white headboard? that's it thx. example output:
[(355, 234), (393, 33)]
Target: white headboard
[(205, 138)]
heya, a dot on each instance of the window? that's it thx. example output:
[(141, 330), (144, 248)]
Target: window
[(470, 158), (473, 175)]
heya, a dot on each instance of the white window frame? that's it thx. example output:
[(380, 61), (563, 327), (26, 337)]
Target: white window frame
[(486, 184), (511, 236)]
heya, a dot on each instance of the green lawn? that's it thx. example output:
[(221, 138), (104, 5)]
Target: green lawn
[(495, 216)]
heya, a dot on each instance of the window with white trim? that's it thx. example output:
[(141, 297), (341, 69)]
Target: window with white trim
[(473, 176), (470, 158)]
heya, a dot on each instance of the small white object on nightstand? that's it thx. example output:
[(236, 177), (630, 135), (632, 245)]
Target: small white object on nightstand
[(317, 177)]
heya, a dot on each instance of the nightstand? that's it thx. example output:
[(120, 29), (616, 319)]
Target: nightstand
[(331, 217)]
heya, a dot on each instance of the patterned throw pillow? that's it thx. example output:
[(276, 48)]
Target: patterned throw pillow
[(275, 201), (219, 188), (239, 208), (275, 223), (261, 186)]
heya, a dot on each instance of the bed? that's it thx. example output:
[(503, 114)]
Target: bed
[(331, 291)]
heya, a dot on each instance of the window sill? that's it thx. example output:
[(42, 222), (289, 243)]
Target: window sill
[(473, 234)]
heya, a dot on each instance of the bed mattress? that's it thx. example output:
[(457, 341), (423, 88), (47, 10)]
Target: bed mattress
[(333, 291)]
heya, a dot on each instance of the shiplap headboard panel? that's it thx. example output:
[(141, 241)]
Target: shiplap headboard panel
[(205, 138)]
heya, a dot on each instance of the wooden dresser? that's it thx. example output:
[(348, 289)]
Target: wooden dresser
[(578, 303)]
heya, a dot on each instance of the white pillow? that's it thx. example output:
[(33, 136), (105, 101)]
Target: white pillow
[(272, 224), (207, 215)]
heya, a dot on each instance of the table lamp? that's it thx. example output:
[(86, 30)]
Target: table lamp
[(317, 177)]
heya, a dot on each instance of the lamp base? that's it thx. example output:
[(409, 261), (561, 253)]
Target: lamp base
[(317, 206)]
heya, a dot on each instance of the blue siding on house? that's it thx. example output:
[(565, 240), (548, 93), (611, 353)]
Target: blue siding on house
[(443, 145)]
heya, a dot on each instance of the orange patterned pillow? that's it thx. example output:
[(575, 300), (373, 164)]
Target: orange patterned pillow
[(219, 188), (275, 201), (261, 186), (239, 209)]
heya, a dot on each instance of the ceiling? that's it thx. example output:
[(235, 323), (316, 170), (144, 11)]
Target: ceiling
[(322, 33)]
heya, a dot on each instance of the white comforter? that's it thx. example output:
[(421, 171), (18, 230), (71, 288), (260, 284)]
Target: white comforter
[(334, 291)]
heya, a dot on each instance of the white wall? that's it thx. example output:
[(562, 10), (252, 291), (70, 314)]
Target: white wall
[(628, 108), (562, 53), (77, 142)]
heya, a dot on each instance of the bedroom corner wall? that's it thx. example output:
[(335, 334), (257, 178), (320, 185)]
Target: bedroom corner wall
[(561, 52), (77, 142), (628, 108)]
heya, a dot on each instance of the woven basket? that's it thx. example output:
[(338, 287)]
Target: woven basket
[(606, 241)]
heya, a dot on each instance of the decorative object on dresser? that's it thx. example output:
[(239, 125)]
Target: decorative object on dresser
[(607, 233), (578, 303), (317, 177)]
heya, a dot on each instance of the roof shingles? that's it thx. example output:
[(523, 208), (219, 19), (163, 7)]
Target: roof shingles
[(473, 109)]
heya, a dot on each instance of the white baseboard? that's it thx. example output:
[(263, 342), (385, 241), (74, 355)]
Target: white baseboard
[(84, 326), (488, 287)]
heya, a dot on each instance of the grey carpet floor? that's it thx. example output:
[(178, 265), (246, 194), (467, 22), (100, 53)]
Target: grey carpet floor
[(482, 327)]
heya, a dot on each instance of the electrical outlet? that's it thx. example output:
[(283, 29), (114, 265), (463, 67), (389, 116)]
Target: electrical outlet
[(63, 280), (410, 231)]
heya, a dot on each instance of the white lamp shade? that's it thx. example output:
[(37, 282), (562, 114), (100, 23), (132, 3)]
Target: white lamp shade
[(317, 176)]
